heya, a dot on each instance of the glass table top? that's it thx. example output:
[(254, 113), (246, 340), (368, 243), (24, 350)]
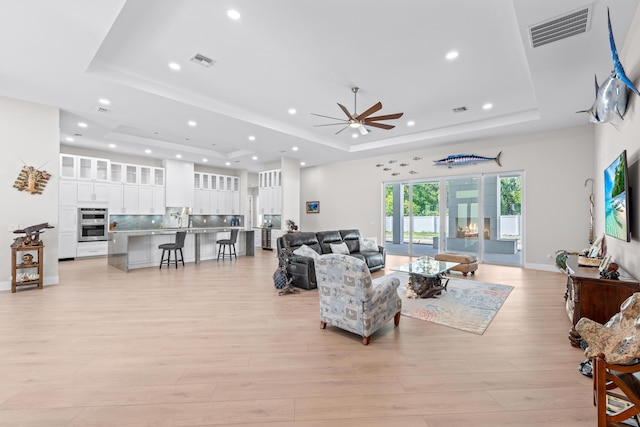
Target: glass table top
[(426, 266)]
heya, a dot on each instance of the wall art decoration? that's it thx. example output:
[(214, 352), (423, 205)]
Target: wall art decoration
[(32, 180), (465, 159), (313, 207)]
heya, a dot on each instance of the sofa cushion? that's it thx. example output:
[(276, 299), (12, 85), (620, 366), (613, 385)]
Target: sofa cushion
[(296, 240), (351, 238), (368, 244), (339, 248), (305, 250), (374, 260), (325, 238)]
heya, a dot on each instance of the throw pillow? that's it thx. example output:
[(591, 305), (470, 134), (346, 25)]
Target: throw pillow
[(368, 244), (340, 248), (305, 250)]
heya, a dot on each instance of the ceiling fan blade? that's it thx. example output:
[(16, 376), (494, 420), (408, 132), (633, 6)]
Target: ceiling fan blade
[(328, 117), (363, 130), (346, 111), (379, 125), (385, 117), (371, 110), (330, 124), (342, 129)]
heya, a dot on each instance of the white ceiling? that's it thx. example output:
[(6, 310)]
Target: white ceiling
[(306, 55)]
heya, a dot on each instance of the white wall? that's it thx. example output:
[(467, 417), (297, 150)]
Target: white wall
[(609, 142), (30, 134), (555, 164), (290, 191)]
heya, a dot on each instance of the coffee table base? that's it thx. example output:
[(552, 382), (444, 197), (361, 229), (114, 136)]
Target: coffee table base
[(428, 286)]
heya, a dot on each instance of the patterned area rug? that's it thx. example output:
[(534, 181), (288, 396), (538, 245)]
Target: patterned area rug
[(466, 305)]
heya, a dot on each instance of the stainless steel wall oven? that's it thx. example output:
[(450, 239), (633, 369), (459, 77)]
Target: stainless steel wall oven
[(93, 224)]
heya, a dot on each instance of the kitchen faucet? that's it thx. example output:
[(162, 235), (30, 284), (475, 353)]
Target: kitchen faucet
[(177, 215)]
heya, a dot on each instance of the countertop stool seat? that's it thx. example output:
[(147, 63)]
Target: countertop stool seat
[(230, 242), (175, 247)]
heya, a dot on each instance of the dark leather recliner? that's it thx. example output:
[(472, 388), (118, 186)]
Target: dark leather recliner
[(302, 268)]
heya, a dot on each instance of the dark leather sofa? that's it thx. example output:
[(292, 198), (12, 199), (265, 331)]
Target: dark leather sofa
[(302, 268)]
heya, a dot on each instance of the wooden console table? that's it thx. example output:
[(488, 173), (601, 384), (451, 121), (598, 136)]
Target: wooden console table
[(589, 295)]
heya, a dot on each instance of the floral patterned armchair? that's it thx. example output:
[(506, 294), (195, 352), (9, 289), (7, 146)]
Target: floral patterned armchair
[(350, 300)]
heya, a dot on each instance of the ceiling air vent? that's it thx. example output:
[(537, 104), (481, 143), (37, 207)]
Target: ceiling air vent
[(460, 109), (199, 58), (102, 110), (568, 25)]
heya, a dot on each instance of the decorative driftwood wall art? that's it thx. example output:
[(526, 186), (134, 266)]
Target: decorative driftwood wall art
[(32, 180)]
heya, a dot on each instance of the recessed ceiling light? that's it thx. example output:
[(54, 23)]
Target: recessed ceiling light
[(411, 123), (354, 135), (192, 123), (68, 139), (205, 160), (302, 163), (487, 106), (292, 111), (254, 158), (233, 14), (452, 55), (179, 156), (147, 151), (174, 66), (252, 138), (83, 125), (227, 164), (294, 148), (112, 145), (104, 101)]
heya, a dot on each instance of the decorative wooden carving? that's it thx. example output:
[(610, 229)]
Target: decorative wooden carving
[(32, 180)]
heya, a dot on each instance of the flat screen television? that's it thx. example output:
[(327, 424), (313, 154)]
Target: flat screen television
[(616, 199)]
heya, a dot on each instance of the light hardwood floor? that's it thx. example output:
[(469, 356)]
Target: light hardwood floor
[(213, 344)]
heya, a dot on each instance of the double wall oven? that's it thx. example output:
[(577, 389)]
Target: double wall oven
[(93, 224)]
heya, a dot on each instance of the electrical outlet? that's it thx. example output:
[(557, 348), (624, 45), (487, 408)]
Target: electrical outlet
[(205, 221)]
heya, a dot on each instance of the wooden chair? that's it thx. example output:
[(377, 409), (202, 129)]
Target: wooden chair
[(175, 247), (618, 382)]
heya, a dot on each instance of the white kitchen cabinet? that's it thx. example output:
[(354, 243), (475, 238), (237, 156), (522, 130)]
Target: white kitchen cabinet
[(270, 192), (116, 173), (93, 193), (202, 204), (68, 193), (92, 169), (151, 200), (145, 175), (88, 249), (131, 174), (68, 166), (67, 244), (158, 177), (116, 199), (130, 199)]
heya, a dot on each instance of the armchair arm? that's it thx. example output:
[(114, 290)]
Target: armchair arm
[(387, 288)]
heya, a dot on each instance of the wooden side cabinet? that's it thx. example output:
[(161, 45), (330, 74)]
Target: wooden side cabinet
[(26, 266), (589, 295)]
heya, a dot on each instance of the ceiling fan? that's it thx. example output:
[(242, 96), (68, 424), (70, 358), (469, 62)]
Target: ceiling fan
[(359, 121)]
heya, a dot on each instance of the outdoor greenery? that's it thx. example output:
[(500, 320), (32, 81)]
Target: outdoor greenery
[(426, 197)]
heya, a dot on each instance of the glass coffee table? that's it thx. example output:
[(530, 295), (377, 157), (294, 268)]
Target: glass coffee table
[(426, 276)]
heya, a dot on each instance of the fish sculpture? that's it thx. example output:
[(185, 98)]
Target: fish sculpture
[(611, 96), (465, 159)]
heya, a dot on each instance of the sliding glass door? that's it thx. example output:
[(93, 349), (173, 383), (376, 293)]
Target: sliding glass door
[(476, 214)]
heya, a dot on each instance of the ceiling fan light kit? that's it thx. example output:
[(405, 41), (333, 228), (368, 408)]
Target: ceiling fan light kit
[(361, 121)]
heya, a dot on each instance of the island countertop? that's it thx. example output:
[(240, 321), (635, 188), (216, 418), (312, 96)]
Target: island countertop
[(128, 249)]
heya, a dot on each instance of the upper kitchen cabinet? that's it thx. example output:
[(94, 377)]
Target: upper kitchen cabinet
[(68, 166), (149, 175), (131, 173), (92, 169), (116, 174), (158, 177)]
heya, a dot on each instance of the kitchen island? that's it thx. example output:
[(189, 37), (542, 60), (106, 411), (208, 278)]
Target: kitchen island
[(131, 249)]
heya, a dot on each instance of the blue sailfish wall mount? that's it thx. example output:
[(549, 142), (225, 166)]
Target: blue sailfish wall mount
[(611, 96)]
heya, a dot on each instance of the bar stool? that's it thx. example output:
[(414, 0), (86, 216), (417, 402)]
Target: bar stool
[(231, 242), (175, 247)]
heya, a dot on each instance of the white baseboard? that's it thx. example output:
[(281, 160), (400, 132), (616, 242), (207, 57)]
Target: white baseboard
[(544, 267), (47, 281)]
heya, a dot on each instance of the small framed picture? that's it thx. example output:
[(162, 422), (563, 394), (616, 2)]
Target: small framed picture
[(313, 207)]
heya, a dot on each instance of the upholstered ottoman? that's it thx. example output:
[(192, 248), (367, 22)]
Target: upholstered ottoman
[(467, 263)]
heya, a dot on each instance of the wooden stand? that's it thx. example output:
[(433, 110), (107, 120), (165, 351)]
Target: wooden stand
[(22, 273), (589, 295)]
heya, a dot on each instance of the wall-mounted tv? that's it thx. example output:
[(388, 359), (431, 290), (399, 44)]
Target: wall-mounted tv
[(616, 199)]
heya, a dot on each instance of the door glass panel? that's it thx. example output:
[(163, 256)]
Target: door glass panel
[(462, 223), (425, 218), (502, 202)]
